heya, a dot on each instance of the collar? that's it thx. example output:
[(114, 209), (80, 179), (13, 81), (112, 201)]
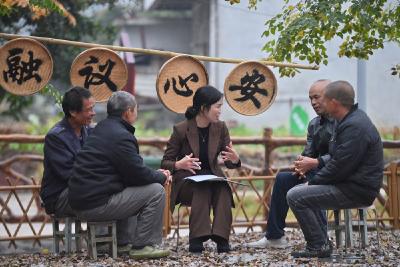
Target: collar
[(352, 109), (126, 125), (68, 126), (324, 119)]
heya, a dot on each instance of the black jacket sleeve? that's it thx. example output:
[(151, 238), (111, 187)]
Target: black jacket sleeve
[(350, 148), (309, 149), (130, 165)]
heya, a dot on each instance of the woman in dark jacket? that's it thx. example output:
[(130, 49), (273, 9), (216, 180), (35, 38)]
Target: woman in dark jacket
[(193, 149)]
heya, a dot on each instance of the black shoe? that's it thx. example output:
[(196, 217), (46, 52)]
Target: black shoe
[(223, 247), (324, 252), (196, 245), (222, 244)]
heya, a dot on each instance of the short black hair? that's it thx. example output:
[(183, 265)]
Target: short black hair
[(73, 100), (342, 91), (204, 97)]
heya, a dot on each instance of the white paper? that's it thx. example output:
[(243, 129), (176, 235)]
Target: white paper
[(202, 178)]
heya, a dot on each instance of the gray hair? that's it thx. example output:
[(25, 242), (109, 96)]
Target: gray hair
[(120, 102), (342, 91)]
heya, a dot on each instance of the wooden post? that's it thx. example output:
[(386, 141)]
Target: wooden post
[(167, 212), (267, 136), (396, 133), (268, 146), (393, 188)]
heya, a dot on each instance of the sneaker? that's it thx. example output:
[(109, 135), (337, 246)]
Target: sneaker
[(279, 243), (124, 249), (148, 252), (324, 252)]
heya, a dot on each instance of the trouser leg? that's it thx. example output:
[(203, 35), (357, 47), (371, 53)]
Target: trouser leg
[(62, 208), (146, 202), (278, 205), (221, 200), (126, 229), (306, 202)]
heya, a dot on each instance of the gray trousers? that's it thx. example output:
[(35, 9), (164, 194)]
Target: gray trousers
[(307, 201), (146, 202), (62, 208)]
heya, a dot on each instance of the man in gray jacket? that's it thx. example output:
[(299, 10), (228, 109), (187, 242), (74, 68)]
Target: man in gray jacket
[(353, 176)]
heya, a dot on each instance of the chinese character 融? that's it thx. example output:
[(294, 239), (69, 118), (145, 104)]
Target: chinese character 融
[(97, 78), (184, 88), (21, 71), (249, 87)]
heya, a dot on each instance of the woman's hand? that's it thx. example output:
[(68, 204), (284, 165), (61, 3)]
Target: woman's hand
[(188, 163), (230, 154)]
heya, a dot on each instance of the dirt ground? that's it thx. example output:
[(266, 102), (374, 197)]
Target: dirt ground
[(387, 254)]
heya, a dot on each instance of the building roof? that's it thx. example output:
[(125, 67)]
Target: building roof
[(171, 5)]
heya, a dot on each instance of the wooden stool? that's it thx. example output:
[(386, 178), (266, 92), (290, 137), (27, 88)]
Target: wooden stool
[(59, 235), (110, 237), (347, 227)]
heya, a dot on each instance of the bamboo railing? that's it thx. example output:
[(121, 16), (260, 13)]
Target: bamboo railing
[(13, 184)]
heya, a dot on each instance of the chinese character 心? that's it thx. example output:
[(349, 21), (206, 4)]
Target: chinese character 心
[(184, 88)]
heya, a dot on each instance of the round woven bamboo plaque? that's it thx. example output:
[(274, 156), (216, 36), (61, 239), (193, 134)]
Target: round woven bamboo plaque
[(178, 80), (101, 71), (250, 88), (26, 66)]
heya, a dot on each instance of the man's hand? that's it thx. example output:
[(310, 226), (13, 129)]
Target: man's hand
[(304, 164), (168, 175)]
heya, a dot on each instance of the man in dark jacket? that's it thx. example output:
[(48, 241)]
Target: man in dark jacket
[(314, 156), (61, 145), (351, 179), (109, 180)]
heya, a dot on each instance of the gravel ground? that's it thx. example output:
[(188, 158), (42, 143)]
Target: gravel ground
[(387, 255)]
